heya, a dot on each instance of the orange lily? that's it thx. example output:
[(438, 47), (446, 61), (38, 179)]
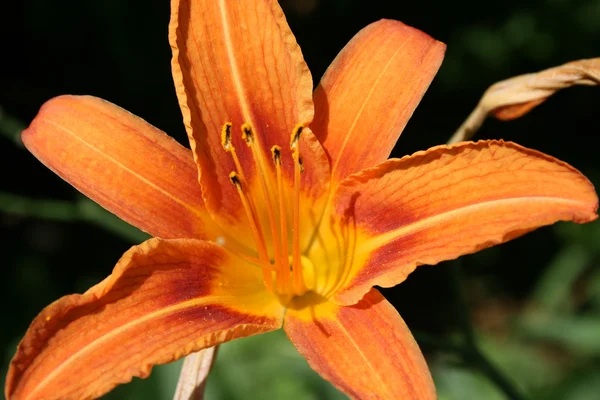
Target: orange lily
[(298, 214)]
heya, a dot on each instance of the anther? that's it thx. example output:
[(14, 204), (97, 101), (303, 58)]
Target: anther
[(235, 180), (276, 153), (226, 136), (247, 134), (295, 137)]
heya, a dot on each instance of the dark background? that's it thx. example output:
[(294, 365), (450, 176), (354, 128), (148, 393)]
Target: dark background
[(118, 50)]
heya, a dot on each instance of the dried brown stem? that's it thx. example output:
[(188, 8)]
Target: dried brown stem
[(514, 97), (194, 373)]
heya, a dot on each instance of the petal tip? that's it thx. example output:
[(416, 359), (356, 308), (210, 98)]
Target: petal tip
[(48, 108)]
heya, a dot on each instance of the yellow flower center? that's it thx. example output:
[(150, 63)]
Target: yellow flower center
[(287, 272)]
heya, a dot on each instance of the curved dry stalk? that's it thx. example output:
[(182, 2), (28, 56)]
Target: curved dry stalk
[(194, 372), (514, 97)]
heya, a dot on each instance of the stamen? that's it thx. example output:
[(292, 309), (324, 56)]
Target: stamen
[(256, 230), (252, 142), (283, 273), (228, 147), (254, 261), (298, 281)]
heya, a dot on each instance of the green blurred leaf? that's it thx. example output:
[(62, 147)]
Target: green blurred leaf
[(580, 385), (553, 290), (460, 383), (593, 289), (587, 235), (580, 334), (266, 366), (521, 361), (81, 210), (11, 127)]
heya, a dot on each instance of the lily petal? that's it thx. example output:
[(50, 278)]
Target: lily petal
[(123, 163), (452, 200), (370, 91), (365, 350), (164, 300), (239, 62)]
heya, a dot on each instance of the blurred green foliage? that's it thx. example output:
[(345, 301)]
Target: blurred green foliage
[(530, 307)]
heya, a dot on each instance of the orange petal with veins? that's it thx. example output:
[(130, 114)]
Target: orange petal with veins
[(164, 300), (123, 163), (239, 62), (365, 350), (452, 200), (370, 91)]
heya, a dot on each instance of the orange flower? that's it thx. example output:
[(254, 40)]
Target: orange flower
[(297, 215)]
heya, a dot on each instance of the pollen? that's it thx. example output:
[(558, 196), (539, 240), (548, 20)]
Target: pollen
[(235, 180), (226, 136), (276, 154), (295, 136), (248, 134)]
